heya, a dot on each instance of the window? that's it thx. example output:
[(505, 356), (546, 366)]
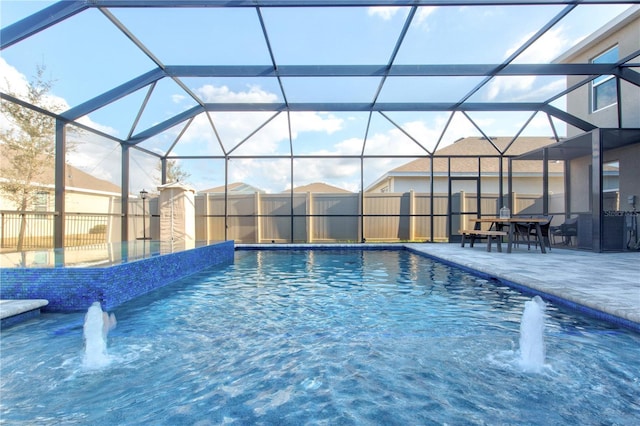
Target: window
[(611, 185), (603, 88), (40, 201)]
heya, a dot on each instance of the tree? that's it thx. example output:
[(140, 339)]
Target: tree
[(175, 172), (27, 146)]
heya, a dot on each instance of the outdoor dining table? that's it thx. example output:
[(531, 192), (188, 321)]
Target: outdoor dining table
[(499, 223)]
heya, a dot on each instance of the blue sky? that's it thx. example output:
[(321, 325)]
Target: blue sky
[(87, 55)]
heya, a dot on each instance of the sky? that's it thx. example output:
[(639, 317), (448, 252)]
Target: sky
[(87, 55)]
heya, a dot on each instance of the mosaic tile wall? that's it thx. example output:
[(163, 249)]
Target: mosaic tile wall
[(75, 289)]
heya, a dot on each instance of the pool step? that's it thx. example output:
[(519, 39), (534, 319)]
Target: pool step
[(16, 311)]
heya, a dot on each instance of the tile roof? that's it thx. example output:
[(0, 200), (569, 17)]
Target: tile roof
[(477, 146)]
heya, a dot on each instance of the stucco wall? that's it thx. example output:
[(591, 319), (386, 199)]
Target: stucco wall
[(629, 158), (579, 100)]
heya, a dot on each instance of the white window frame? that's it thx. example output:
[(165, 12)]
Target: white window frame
[(41, 201), (603, 79)]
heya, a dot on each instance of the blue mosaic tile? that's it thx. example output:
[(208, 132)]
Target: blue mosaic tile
[(75, 289)]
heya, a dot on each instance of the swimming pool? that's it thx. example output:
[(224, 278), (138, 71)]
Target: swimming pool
[(322, 337)]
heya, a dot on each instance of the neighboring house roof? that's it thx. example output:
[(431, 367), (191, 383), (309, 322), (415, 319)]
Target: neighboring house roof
[(472, 147), (176, 185), (75, 178), (234, 188), (476, 146), (318, 187)]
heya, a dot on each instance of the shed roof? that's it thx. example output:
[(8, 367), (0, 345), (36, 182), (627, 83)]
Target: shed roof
[(320, 187)]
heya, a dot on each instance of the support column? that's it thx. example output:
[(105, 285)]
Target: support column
[(596, 190), (510, 200), (60, 180), (163, 170), (431, 201), (545, 181), (124, 208)]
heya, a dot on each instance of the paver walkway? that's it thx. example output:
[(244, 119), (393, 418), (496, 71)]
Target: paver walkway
[(606, 282)]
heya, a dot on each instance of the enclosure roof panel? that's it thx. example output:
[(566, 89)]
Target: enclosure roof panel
[(164, 62)]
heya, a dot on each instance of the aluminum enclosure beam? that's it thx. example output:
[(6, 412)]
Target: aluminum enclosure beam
[(334, 3), (340, 71), (114, 94), (440, 70), (64, 9), (39, 21), (568, 118), (629, 75), (351, 107), (382, 106), (167, 124)]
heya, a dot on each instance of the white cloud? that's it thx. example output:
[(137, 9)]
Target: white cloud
[(423, 13), (384, 12), (234, 127), (509, 85), (12, 79), (15, 82), (315, 122), (254, 93), (544, 50), (176, 99)]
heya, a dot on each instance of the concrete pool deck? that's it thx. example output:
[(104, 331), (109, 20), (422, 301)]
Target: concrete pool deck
[(604, 282)]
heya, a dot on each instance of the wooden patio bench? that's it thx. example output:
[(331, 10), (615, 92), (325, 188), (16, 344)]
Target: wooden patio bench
[(479, 233)]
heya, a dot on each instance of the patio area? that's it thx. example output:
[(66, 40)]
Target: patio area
[(604, 282)]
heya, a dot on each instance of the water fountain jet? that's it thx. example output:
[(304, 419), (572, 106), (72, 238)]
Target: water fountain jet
[(97, 324), (532, 347)]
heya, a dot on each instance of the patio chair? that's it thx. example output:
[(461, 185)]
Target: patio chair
[(567, 230), (544, 232), (530, 230), (521, 233)]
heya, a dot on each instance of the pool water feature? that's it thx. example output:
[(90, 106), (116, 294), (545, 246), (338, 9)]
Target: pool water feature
[(97, 325), (532, 350), (323, 337)]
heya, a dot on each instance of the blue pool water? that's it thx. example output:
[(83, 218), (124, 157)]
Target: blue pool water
[(322, 337)]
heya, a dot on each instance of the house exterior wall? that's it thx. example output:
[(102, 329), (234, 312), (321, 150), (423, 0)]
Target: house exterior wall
[(627, 38), (490, 184), (628, 157), (92, 218)]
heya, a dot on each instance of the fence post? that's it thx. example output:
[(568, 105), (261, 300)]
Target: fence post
[(310, 212), (412, 219), (206, 220), (361, 216), (258, 219)]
